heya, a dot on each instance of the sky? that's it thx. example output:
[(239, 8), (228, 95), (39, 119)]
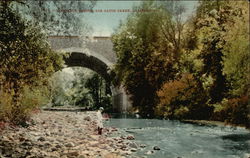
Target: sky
[(104, 23)]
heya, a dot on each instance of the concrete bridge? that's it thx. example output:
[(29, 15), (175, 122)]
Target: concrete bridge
[(95, 53)]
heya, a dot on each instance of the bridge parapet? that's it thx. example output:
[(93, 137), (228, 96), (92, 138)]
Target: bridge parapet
[(102, 46)]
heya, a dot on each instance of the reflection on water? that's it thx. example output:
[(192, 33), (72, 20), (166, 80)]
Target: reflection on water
[(177, 139)]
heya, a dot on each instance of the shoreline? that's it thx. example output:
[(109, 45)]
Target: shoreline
[(64, 135), (213, 123)]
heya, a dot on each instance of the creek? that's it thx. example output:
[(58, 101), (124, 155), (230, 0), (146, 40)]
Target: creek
[(183, 140)]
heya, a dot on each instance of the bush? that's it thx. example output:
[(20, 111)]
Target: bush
[(182, 99), (234, 110), (19, 112), (5, 105)]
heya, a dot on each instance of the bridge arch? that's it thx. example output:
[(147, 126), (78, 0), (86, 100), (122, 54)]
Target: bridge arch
[(91, 62), (95, 54)]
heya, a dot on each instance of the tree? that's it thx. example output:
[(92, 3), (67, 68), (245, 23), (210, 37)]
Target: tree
[(209, 28), (21, 44), (148, 46), (57, 17), (236, 57), (220, 57), (223, 47), (182, 99), (81, 95), (97, 89)]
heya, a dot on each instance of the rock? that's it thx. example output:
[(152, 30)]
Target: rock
[(156, 148), (53, 155), (93, 143), (80, 130), (42, 139), (142, 145), (26, 143), (73, 153), (123, 147), (58, 146), (47, 133), (133, 149), (123, 137), (21, 139), (84, 152), (131, 137), (133, 145), (111, 155), (54, 149), (87, 118), (70, 137), (47, 144), (94, 137), (246, 155), (150, 152), (70, 144)]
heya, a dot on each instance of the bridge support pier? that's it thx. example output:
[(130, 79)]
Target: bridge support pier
[(120, 100)]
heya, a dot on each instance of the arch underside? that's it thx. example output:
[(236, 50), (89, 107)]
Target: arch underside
[(120, 99), (89, 56), (90, 62)]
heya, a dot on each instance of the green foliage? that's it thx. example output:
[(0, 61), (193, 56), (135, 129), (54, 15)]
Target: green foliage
[(220, 56), (223, 42), (54, 17), (30, 99), (26, 63), (80, 94), (81, 87), (98, 89), (236, 49), (182, 99), (209, 30), (148, 46), (21, 44), (182, 71)]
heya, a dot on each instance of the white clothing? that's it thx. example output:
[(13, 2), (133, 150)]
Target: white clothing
[(99, 119)]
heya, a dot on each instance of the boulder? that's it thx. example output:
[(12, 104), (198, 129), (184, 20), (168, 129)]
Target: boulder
[(70, 144), (149, 152), (133, 149), (130, 137), (143, 145), (42, 139), (133, 145), (87, 118), (73, 154), (156, 148)]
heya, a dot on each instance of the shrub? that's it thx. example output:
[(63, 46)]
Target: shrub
[(19, 112), (5, 105), (234, 110), (182, 99)]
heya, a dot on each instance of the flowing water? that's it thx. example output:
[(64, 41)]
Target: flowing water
[(183, 140)]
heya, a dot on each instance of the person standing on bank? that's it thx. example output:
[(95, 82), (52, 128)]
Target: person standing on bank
[(99, 120)]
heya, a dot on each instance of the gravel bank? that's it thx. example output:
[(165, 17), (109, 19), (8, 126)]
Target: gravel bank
[(63, 135)]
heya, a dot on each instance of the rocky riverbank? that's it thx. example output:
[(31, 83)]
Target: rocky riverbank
[(64, 135)]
